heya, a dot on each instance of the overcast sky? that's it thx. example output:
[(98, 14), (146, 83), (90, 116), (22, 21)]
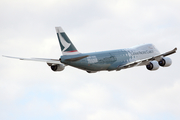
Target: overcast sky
[(31, 91)]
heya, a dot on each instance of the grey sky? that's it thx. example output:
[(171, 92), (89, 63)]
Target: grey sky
[(30, 90)]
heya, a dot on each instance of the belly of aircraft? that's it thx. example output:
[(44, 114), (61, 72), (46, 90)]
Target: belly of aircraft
[(92, 67)]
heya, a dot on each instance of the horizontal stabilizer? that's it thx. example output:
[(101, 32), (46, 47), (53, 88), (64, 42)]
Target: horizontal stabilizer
[(76, 58)]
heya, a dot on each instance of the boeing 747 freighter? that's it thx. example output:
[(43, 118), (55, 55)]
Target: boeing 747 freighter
[(146, 55)]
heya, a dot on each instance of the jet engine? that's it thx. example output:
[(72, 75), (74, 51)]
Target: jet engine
[(165, 62), (153, 65), (58, 67)]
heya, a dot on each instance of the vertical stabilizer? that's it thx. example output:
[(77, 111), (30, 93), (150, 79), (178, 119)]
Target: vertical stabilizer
[(67, 47)]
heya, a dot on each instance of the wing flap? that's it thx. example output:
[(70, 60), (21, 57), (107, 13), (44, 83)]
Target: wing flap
[(129, 65)]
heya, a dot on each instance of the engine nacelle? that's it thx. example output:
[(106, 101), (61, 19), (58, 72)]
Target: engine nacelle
[(165, 62), (153, 65), (59, 67)]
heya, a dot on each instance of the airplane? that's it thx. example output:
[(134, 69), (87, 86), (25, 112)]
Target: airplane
[(119, 59)]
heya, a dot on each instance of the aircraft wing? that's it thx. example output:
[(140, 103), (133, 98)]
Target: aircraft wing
[(145, 61), (48, 61)]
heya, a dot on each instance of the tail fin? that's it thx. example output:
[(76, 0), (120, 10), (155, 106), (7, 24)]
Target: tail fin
[(67, 47)]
